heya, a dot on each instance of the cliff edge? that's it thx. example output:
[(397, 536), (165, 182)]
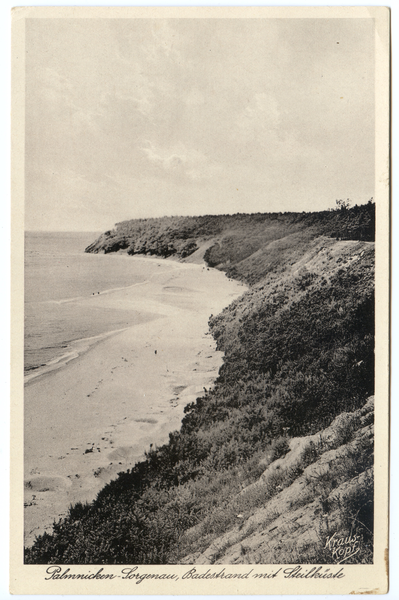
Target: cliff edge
[(274, 463)]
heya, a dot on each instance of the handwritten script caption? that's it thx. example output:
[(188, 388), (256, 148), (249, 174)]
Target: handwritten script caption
[(137, 575)]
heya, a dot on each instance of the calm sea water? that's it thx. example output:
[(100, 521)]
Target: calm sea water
[(58, 275)]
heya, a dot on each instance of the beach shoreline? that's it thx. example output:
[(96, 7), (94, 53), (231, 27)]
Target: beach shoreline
[(96, 415)]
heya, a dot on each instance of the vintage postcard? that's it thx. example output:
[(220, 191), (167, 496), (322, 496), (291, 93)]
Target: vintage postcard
[(200, 300)]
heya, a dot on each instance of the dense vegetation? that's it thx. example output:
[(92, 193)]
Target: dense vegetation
[(299, 350)]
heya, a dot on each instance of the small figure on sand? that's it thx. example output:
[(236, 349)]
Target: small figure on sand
[(155, 351)]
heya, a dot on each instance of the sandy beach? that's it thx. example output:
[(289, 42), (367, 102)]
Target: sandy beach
[(93, 417)]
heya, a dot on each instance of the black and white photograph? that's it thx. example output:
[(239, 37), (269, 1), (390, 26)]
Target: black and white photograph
[(201, 300)]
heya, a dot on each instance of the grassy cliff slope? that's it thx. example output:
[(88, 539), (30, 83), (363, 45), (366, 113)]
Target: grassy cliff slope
[(283, 442)]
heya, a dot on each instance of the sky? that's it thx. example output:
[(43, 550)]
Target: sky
[(135, 118)]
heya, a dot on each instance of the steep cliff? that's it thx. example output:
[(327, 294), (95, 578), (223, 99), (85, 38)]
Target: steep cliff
[(246, 246), (275, 462)]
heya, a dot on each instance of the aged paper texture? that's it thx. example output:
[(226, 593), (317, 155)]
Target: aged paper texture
[(200, 300)]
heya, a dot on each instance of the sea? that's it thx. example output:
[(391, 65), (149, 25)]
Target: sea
[(59, 277)]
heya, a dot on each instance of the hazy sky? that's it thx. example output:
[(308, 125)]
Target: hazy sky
[(137, 118)]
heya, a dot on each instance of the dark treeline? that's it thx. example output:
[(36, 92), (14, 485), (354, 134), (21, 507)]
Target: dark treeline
[(299, 350)]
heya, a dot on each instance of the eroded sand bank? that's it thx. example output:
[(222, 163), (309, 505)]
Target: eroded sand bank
[(96, 415)]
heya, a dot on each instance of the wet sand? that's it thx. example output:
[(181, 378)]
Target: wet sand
[(96, 415)]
